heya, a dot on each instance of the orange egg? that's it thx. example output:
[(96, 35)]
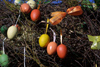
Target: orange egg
[(35, 14), (18, 27), (25, 8), (51, 48), (62, 51)]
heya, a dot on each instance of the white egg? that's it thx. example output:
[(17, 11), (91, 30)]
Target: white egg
[(32, 4), (17, 2), (11, 32)]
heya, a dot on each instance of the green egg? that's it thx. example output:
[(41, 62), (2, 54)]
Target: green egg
[(3, 29), (86, 4), (3, 60)]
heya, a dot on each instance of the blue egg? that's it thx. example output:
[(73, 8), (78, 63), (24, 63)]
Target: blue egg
[(56, 2), (92, 1)]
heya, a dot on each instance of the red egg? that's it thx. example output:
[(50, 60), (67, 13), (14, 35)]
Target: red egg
[(25, 8), (18, 27), (35, 14), (62, 51), (51, 48)]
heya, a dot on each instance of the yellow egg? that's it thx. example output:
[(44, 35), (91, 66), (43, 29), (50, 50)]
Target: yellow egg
[(44, 40), (11, 32), (32, 4)]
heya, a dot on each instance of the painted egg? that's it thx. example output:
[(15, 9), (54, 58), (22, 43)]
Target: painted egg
[(11, 32), (18, 27), (3, 29), (3, 60), (25, 8), (51, 48), (32, 4), (35, 15), (44, 40), (62, 51)]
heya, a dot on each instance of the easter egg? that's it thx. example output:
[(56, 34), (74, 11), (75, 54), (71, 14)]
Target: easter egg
[(51, 48), (3, 29), (32, 4), (25, 8), (17, 2), (35, 15), (11, 32), (62, 51), (3, 60), (44, 40), (18, 27)]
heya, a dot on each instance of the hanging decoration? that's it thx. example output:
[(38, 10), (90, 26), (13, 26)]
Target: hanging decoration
[(3, 57), (61, 49), (17, 2), (32, 4), (57, 17), (44, 38), (56, 2), (12, 30), (4, 30), (52, 46), (25, 8), (35, 14), (75, 11), (95, 40)]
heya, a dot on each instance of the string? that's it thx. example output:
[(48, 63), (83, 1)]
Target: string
[(3, 45), (54, 35), (47, 25), (18, 17), (61, 36), (24, 57)]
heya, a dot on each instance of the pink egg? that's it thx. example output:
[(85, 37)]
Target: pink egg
[(51, 48)]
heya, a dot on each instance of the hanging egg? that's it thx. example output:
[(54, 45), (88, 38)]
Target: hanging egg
[(62, 51), (11, 32), (25, 8), (44, 40), (3, 60), (35, 15), (17, 2), (32, 4), (18, 27), (3, 29), (51, 48)]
